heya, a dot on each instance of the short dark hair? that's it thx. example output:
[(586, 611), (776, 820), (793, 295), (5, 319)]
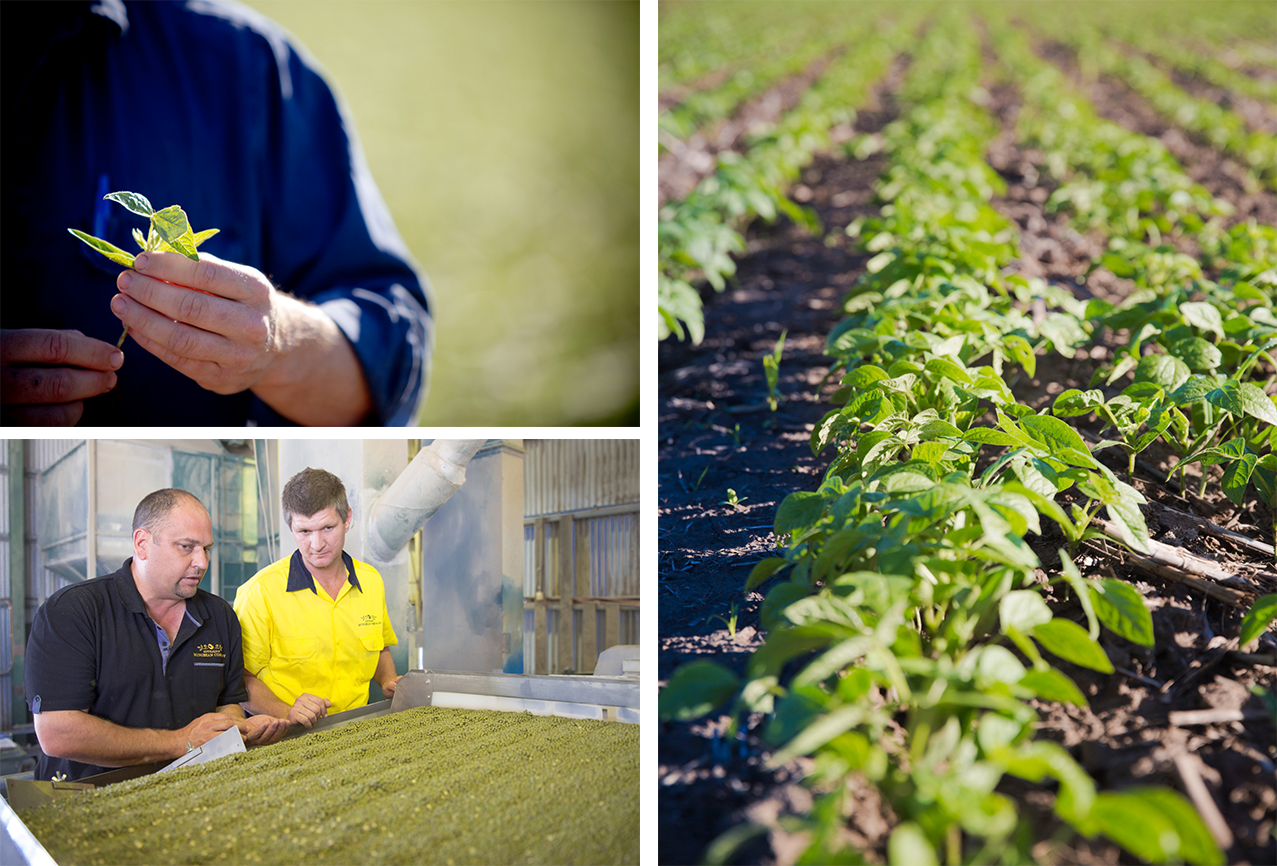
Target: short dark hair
[(313, 490), (152, 511)]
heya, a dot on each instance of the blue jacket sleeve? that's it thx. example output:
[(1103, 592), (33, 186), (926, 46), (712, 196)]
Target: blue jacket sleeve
[(329, 238)]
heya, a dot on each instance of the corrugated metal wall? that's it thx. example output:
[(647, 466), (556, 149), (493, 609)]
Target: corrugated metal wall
[(6, 605), (561, 475), (40, 455), (581, 588)]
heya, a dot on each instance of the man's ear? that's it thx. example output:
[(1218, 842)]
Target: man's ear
[(141, 544)]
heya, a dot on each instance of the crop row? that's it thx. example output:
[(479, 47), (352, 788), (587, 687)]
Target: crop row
[(909, 581), (698, 234)]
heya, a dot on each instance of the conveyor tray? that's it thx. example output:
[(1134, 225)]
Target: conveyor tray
[(608, 698)]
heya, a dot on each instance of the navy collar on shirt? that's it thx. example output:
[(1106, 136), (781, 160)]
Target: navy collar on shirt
[(126, 586), (299, 577)]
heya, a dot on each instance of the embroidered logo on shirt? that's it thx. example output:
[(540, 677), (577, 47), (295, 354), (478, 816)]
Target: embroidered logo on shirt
[(209, 651), (370, 619)]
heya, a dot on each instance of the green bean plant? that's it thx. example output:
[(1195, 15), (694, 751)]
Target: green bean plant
[(169, 231)]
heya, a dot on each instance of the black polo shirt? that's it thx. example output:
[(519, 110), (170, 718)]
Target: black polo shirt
[(94, 647)]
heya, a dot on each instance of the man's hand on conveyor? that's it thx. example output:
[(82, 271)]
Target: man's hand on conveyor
[(205, 728), (262, 730), (308, 709)]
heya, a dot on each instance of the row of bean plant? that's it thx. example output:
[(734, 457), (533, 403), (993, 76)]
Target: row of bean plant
[(908, 579), (698, 234)]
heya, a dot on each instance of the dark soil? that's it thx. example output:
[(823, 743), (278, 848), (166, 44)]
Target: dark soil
[(719, 443)]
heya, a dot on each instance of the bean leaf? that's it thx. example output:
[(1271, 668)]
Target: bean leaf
[(695, 689), (173, 227), (1258, 618), (1069, 641), (111, 251), (135, 202), (1120, 607)]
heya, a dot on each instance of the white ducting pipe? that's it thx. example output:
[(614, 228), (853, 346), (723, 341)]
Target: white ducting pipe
[(420, 490)]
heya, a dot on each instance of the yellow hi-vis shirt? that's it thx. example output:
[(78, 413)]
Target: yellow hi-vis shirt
[(298, 639)]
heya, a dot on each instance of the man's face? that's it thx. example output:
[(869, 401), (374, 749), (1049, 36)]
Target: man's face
[(320, 537), (176, 555)]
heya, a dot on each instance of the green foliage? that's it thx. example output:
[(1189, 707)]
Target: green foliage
[(169, 231), (771, 370), (909, 631)]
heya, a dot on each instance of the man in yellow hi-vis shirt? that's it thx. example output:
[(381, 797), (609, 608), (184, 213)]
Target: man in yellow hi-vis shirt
[(315, 624)]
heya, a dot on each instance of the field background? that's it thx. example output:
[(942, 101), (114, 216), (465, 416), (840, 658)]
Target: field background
[(504, 138)]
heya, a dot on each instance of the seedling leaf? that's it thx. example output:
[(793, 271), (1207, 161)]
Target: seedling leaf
[(135, 202), (1258, 618), (695, 689), (1244, 398), (1053, 685), (1069, 641), (1121, 608), (908, 846), (1023, 609), (200, 237), (110, 250), (173, 227), (1060, 440), (798, 512), (763, 570)]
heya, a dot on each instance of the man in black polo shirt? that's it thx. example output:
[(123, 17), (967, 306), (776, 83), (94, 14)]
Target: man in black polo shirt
[(140, 665)]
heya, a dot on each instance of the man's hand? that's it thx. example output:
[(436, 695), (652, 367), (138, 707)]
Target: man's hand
[(236, 332), (46, 375), (389, 686), (205, 728), (262, 730), (308, 709), (224, 336)]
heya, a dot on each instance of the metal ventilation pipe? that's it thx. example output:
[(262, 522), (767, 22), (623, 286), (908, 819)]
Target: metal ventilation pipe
[(420, 490)]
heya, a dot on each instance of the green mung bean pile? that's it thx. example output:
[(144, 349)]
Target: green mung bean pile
[(428, 785)]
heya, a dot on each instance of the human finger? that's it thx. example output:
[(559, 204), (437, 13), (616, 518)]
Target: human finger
[(301, 714), (318, 704), (209, 312), (58, 348), (209, 274), (173, 342), (52, 385)]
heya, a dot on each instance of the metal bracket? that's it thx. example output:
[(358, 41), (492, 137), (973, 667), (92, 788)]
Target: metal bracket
[(414, 689)]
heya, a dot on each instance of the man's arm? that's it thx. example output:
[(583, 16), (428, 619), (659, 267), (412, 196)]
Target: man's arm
[(238, 333), (80, 736), (305, 711), (385, 675)]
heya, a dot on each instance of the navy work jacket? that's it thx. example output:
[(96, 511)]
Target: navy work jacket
[(93, 647), (208, 105)]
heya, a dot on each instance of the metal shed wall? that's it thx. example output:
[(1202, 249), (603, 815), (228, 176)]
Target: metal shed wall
[(562, 475)]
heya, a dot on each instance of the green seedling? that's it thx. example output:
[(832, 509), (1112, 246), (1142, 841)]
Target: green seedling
[(730, 619), (170, 231), (771, 369), (732, 499)]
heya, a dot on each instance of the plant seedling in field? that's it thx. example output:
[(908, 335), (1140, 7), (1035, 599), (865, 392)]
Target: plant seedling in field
[(771, 368), (170, 231)]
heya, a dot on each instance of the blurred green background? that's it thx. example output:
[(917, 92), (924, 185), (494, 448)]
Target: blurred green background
[(504, 138)]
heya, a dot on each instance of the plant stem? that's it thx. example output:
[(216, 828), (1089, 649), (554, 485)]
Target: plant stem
[(120, 342)]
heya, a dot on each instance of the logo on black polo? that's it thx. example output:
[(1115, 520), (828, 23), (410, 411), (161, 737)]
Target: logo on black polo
[(209, 651)]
